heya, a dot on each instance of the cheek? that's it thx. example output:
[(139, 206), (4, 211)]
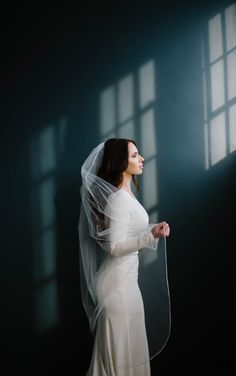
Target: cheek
[(132, 165)]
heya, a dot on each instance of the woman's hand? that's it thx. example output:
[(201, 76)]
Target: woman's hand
[(160, 230)]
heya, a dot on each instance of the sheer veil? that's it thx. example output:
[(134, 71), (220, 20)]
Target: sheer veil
[(98, 208)]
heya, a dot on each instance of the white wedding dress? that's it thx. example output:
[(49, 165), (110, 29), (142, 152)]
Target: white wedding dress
[(121, 347)]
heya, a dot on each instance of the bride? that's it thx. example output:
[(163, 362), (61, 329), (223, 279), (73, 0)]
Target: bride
[(128, 313)]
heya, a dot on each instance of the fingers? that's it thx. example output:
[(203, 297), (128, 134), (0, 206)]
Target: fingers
[(161, 229), (166, 229)]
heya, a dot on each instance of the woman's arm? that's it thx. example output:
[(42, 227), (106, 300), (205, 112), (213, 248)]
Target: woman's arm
[(119, 217)]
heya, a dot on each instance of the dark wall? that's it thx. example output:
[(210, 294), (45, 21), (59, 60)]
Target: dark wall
[(56, 62)]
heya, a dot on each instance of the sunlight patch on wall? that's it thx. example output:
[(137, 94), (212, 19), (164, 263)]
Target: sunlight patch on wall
[(231, 69), (119, 117), (147, 133), (125, 99), (148, 143), (149, 188), (107, 111), (230, 23), (206, 141), (219, 85), (218, 138), (215, 38), (147, 84), (127, 110), (148, 136), (232, 127), (45, 149), (127, 130)]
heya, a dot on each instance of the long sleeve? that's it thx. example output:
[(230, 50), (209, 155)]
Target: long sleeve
[(121, 243), (125, 247)]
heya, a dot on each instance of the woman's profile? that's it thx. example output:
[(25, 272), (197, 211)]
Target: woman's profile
[(128, 307)]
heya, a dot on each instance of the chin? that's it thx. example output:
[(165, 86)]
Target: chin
[(137, 172)]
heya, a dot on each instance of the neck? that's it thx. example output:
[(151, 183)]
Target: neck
[(126, 184)]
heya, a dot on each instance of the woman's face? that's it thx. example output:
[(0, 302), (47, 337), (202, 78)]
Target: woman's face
[(135, 166)]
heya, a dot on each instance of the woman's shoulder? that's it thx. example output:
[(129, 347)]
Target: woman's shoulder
[(119, 200), (117, 196), (121, 195)]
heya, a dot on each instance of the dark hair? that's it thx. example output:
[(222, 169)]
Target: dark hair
[(115, 161)]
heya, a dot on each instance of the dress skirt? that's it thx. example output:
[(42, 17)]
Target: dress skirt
[(120, 347)]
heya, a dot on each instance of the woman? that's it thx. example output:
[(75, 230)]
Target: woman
[(113, 229)]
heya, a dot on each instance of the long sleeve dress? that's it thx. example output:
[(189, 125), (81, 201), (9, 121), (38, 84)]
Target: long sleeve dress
[(121, 347)]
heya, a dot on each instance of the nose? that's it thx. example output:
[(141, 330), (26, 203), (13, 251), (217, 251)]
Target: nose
[(141, 158)]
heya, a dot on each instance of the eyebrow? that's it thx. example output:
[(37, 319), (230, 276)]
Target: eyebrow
[(135, 152)]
